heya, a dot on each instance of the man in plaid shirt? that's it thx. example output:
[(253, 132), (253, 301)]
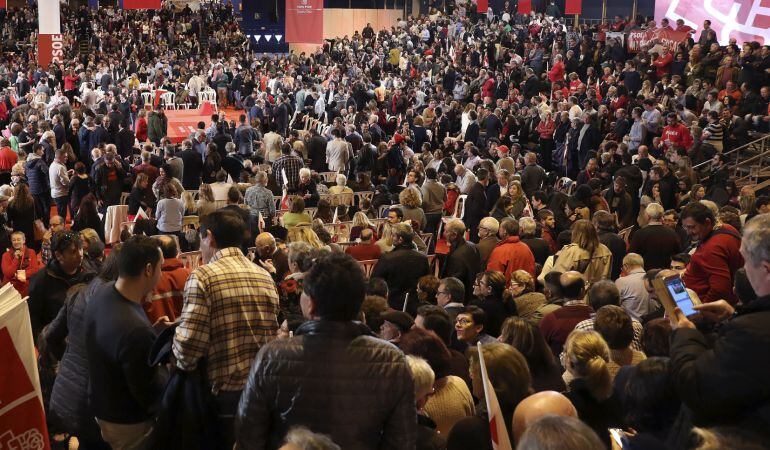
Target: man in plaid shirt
[(229, 313), (290, 164)]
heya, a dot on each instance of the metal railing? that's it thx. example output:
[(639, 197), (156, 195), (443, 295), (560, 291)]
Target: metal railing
[(751, 167)]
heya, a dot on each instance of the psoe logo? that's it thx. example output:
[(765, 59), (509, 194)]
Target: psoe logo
[(57, 48)]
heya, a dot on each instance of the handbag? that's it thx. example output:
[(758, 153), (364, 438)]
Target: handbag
[(39, 229)]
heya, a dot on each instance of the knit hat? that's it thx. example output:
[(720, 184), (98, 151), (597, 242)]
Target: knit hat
[(503, 149)]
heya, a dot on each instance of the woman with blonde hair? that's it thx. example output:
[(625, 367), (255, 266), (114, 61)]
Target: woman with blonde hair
[(527, 299), (189, 203), (411, 202), (586, 359), (205, 204), (518, 201), (304, 233), (361, 222), (585, 254)]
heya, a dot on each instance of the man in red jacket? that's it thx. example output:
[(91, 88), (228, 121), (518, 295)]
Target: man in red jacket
[(510, 254), (713, 265), (168, 296), (675, 134)]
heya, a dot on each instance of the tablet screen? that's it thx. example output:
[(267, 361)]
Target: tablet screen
[(680, 296)]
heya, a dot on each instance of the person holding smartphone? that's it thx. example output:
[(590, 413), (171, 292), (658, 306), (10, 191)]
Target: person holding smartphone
[(723, 380)]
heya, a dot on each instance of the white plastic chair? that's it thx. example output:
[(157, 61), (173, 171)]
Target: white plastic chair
[(168, 100), (458, 213)]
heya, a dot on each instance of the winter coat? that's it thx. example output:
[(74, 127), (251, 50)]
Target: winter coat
[(724, 380), (47, 291), (36, 171), (391, 266), (298, 381), (510, 255), (65, 339), (593, 267)]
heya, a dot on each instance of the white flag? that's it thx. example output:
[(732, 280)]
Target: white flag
[(497, 428)]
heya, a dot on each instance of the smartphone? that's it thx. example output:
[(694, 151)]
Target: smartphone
[(673, 294), (619, 437)]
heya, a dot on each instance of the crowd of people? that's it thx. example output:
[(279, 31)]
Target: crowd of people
[(318, 271)]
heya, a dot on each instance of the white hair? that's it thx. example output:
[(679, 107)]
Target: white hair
[(342, 180), (304, 172), (422, 374), (756, 239), (654, 211)]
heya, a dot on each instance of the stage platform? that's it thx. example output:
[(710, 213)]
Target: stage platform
[(183, 122)]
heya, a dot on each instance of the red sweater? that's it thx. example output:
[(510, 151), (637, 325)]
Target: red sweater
[(556, 326), (11, 264), (678, 134), (364, 252), (168, 296), (713, 265)]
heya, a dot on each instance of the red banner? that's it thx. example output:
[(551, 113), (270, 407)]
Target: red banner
[(481, 6), (141, 4), (50, 49), (305, 21), (573, 7), (3, 4), (662, 36), (22, 419), (525, 6)]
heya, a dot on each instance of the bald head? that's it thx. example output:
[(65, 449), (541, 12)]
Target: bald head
[(538, 405), (265, 243), (168, 246)]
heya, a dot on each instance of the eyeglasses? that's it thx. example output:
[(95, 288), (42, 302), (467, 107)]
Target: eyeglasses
[(442, 293), (464, 322)]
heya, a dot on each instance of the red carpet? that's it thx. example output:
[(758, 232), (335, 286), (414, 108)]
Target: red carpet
[(182, 122)]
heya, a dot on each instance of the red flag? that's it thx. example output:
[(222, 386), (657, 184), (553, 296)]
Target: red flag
[(482, 6), (141, 4), (3, 4), (525, 6), (573, 7), (305, 21)]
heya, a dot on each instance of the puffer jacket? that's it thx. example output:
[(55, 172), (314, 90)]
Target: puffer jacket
[(65, 339), (47, 292), (334, 378), (37, 175)]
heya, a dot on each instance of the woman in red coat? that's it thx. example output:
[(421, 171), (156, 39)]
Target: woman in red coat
[(141, 126), (19, 264)]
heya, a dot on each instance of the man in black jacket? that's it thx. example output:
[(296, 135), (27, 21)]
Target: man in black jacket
[(723, 381), (475, 204), (463, 261), (193, 166), (123, 387), (390, 266), (298, 380)]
